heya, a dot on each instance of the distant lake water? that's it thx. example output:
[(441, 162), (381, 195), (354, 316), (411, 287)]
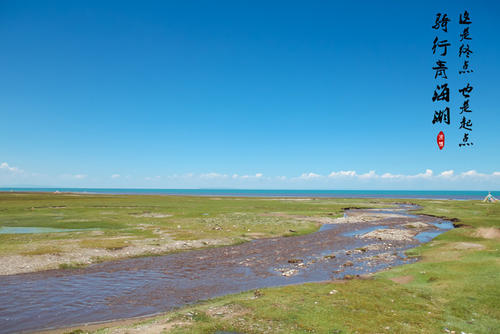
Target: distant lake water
[(433, 194)]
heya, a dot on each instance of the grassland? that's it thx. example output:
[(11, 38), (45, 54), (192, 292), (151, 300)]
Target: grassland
[(455, 287), (114, 226)]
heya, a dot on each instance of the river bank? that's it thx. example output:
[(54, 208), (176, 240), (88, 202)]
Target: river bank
[(98, 228)]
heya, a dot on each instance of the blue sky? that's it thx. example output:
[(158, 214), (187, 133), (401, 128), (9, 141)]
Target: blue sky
[(248, 94)]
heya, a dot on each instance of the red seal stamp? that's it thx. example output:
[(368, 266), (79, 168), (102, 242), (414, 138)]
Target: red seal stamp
[(440, 140)]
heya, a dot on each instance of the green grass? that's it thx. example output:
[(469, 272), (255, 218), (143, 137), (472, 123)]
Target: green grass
[(72, 265), (454, 286), (41, 250), (180, 218)]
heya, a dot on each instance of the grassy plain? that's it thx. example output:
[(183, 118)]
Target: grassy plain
[(114, 226), (454, 287)]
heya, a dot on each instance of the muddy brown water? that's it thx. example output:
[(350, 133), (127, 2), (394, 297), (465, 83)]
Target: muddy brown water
[(144, 286)]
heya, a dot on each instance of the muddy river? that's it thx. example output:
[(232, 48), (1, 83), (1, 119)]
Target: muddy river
[(364, 241)]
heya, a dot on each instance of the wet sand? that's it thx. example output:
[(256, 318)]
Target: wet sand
[(144, 286)]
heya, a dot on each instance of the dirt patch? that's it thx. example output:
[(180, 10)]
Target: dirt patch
[(151, 215), (153, 326), (467, 245), (227, 311), (460, 225), (364, 216), (321, 220), (488, 233), (287, 199), (402, 279), (157, 326), (255, 235)]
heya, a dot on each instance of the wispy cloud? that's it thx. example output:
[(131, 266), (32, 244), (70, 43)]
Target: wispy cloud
[(213, 175), (342, 173), (309, 176), (334, 176), (74, 176), (340, 178), (5, 166), (392, 176), (249, 177), (370, 175)]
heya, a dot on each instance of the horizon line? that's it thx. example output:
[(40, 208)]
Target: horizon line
[(215, 188)]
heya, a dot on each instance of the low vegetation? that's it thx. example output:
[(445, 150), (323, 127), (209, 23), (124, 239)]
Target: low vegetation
[(455, 287), (111, 226)]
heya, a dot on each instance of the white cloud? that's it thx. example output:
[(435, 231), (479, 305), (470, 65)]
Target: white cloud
[(472, 173), (496, 174), (213, 176), (245, 177), (11, 169), (391, 176), (342, 173), (73, 176), (447, 173), (428, 173), (309, 176), (179, 176), (370, 175), (115, 176)]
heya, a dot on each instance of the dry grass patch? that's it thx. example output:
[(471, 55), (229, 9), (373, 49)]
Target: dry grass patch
[(402, 279), (41, 250), (488, 233)]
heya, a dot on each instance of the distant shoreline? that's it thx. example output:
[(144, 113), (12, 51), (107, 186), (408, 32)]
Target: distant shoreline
[(285, 193)]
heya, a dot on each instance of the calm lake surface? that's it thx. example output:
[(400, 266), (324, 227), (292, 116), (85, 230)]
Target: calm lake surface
[(433, 194)]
